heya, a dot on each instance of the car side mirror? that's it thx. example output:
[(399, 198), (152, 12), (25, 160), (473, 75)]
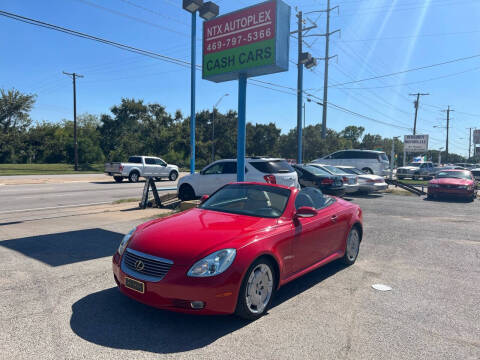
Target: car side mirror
[(204, 198), (305, 212)]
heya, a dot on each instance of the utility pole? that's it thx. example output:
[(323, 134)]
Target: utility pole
[(307, 60), (75, 142), (448, 111), (325, 78), (417, 104), (470, 142)]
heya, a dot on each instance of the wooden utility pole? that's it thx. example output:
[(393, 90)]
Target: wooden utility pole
[(75, 142), (448, 111), (417, 103)]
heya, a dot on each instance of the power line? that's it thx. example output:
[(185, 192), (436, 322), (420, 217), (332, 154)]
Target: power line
[(94, 38), (406, 71)]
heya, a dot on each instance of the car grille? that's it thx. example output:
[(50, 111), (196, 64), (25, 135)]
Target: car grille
[(449, 186), (152, 266)]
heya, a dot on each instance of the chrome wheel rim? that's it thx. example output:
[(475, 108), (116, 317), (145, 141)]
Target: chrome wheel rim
[(259, 288), (134, 177), (353, 244)]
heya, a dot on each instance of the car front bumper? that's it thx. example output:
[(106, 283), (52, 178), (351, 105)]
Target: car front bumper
[(176, 290), (453, 192)]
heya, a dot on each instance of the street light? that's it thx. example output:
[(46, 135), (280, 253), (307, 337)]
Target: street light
[(208, 11), (213, 125)]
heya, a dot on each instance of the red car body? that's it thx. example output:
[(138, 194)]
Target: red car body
[(452, 186), (295, 245)]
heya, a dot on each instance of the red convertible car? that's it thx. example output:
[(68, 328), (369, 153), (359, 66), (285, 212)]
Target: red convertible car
[(236, 249), (454, 183)]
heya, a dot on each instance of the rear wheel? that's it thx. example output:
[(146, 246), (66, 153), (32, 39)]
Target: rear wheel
[(257, 291), (353, 247), (134, 177), (118, 179), (186, 193)]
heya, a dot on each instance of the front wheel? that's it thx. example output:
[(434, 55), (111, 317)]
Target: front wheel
[(173, 176), (258, 288), (352, 248)]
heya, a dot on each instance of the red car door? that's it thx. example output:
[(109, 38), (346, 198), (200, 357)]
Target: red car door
[(316, 237)]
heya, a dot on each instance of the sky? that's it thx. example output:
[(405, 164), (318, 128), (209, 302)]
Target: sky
[(377, 37)]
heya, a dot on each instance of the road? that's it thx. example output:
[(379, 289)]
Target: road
[(59, 298), (74, 191)]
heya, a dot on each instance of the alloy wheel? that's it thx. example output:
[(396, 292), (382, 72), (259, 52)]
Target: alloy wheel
[(259, 288), (353, 245)]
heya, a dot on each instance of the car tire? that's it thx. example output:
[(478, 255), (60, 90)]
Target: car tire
[(186, 192), (118, 179), (368, 171), (257, 290), (134, 176), (173, 175), (352, 246)]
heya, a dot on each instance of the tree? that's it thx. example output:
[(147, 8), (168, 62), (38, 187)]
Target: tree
[(353, 133)]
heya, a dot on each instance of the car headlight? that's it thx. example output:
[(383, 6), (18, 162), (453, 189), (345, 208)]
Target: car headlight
[(213, 264), (124, 243)]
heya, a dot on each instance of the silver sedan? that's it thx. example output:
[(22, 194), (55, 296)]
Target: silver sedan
[(368, 183), (350, 181)]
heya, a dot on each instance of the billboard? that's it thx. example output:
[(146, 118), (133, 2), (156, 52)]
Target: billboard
[(415, 143), (253, 41), (476, 136)]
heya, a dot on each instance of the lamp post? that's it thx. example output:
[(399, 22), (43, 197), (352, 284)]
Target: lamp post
[(208, 11), (213, 125)]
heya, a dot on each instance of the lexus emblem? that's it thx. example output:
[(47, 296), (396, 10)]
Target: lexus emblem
[(139, 265)]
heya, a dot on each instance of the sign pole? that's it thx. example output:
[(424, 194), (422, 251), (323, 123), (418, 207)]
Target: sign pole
[(192, 92), (242, 105)]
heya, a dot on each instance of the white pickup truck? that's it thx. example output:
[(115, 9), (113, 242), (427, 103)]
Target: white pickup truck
[(141, 166)]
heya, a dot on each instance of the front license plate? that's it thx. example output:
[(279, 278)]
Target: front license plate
[(135, 285)]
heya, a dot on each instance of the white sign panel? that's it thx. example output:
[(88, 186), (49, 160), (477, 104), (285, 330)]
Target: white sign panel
[(476, 136), (415, 143)]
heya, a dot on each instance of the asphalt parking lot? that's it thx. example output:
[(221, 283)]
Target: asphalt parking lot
[(59, 301)]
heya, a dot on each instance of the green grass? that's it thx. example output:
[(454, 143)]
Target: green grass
[(129, 200), (48, 169), (414, 182)]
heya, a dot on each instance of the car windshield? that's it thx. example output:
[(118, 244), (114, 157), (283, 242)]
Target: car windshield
[(246, 199), (454, 175), (314, 170), (334, 170)]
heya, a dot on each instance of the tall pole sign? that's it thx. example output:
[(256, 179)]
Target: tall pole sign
[(249, 42)]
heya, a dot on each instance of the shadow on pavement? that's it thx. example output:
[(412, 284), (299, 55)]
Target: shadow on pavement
[(366, 196), (109, 318), (67, 247)]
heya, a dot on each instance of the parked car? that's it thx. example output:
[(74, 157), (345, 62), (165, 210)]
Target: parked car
[(454, 183), (221, 172), (367, 183), (312, 176), (350, 182), (476, 174), (233, 252), (417, 170), (141, 166), (369, 161)]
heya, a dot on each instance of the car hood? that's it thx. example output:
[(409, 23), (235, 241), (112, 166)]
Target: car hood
[(193, 234), (451, 181)]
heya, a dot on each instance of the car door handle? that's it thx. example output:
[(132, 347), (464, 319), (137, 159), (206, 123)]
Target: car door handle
[(334, 218)]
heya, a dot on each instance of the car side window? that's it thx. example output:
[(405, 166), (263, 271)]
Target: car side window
[(160, 162), (311, 197), (229, 167), (215, 169), (150, 161)]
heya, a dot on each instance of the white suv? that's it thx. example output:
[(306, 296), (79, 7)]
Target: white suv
[(222, 172), (369, 161)]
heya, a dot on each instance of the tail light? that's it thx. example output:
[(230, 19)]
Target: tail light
[(270, 179), (345, 179), (120, 168), (327, 181)]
